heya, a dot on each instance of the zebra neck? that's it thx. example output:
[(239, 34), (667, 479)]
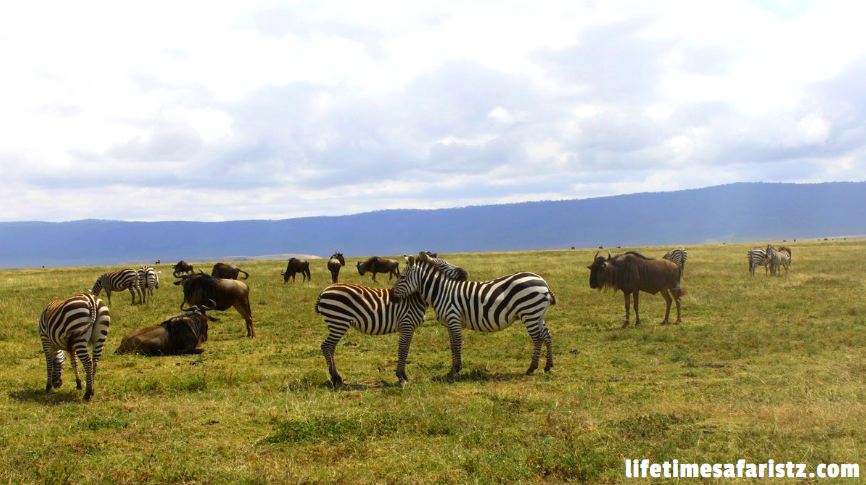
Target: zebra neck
[(435, 288)]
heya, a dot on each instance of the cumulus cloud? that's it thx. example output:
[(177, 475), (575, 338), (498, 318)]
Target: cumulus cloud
[(261, 110)]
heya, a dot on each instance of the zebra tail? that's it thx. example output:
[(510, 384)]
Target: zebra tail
[(551, 297), (317, 303)]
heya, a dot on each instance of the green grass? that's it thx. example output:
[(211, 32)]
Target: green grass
[(760, 368)]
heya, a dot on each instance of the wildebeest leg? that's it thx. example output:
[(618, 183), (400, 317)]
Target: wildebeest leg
[(336, 330), (243, 307), (667, 298), (636, 308), (455, 332), (627, 297), (406, 333), (374, 276), (677, 295)]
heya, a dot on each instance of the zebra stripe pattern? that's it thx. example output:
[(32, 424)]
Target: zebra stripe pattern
[(486, 306), (757, 257), (777, 259), (125, 279), (449, 270), (372, 311), (678, 256), (71, 325), (148, 281)]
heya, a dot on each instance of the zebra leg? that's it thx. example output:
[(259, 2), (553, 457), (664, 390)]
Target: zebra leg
[(636, 308), (627, 297), (406, 333), (535, 334), (80, 349), (455, 332), (75, 370), (336, 330), (50, 356), (667, 297)]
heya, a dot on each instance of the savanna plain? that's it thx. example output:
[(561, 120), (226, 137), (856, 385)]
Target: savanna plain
[(760, 368)]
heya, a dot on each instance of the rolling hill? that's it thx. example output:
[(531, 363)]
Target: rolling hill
[(736, 212)]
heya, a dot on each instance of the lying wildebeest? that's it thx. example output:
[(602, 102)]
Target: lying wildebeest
[(334, 264), (182, 267), (227, 271), (376, 264), (295, 266), (200, 289), (178, 335), (632, 273)]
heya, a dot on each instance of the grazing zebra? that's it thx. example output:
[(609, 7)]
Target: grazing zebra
[(484, 306), (369, 310), (679, 257), (125, 279), (757, 257), (449, 270), (148, 280), (777, 259), (71, 325)]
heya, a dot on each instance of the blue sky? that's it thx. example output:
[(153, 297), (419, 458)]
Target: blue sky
[(218, 111)]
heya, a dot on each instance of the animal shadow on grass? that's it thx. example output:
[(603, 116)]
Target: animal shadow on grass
[(480, 375), (40, 396)]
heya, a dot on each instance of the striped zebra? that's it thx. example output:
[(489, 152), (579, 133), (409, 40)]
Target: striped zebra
[(777, 259), (148, 280), (449, 270), (125, 279), (71, 325), (757, 257), (486, 306), (678, 256), (373, 311)]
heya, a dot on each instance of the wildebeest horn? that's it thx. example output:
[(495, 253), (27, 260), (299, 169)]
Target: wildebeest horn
[(596, 255), (608, 254)]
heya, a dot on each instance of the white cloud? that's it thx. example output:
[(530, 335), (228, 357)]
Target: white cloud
[(203, 110)]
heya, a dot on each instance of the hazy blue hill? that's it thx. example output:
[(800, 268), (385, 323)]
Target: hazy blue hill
[(736, 212)]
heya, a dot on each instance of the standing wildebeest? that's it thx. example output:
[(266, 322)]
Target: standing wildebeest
[(227, 271), (632, 273), (294, 266), (334, 264), (182, 267), (200, 289), (178, 335), (376, 264)]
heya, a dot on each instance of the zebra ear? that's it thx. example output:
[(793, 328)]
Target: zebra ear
[(410, 261), (423, 256)]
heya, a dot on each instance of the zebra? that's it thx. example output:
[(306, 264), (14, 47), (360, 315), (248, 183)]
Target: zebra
[(71, 325), (125, 279), (678, 256), (757, 257), (486, 306), (777, 259), (373, 311), (449, 270), (148, 280)]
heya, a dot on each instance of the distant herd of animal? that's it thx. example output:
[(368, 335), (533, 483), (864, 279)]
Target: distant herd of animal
[(71, 326)]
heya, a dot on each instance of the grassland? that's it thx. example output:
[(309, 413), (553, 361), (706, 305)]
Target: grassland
[(760, 368)]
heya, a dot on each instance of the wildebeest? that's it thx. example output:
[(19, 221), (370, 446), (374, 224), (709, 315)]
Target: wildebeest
[(221, 294), (182, 267), (632, 273), (375, 264), (295, 266), (181, 334), (227, 271), (334, 264)]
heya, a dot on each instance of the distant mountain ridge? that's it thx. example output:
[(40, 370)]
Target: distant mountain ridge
[(735, 212)]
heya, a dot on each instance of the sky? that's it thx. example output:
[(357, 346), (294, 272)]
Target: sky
[(269, 110)]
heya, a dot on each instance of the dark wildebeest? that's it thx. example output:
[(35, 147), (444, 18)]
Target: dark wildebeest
[(334, 264), (200, 289), (178, 335), (376, 264), (227, 271), (182, 267), (294, 266), (632, 273)]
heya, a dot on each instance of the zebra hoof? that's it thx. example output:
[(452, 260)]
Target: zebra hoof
[(337, 381), (78, 385), (548, 367), (88, 395), (625, 325), (530, 370)]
